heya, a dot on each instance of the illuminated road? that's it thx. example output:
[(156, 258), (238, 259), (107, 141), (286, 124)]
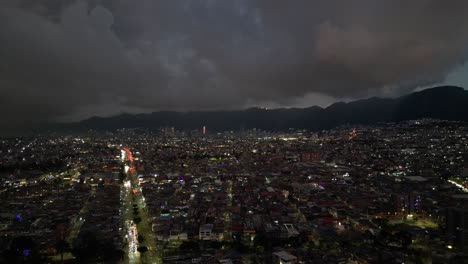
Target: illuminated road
[(80, 218), (131, 232), (458, 185), (75, 228), (133, 197)]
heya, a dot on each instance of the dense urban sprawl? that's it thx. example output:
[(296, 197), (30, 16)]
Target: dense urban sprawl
[(393, 193)]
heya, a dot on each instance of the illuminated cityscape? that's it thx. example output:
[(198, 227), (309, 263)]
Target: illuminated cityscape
[(349, 195), (233, 132)]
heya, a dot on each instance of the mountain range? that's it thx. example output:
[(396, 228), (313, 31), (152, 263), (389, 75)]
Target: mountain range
[(443, 102)]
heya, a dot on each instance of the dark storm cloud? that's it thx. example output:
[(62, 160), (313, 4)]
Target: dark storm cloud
[(351, 48), (52, 69), (74, 58)]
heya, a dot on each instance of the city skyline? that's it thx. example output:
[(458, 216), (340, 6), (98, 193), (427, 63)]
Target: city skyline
[(234, 132)]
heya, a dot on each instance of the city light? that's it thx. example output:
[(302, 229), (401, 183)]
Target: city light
[(187, 193), (127, 184)]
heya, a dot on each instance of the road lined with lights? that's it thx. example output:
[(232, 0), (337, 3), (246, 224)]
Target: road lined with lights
[(80, 218), (463, 188), (131, 232), (134, 201)]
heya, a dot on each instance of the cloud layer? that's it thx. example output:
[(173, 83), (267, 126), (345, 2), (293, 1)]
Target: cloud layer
[(72, 59)]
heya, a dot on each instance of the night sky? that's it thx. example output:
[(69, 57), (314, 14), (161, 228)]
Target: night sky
[(71, 59)]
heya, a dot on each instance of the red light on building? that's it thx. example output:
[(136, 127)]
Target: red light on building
[(310, 157)]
